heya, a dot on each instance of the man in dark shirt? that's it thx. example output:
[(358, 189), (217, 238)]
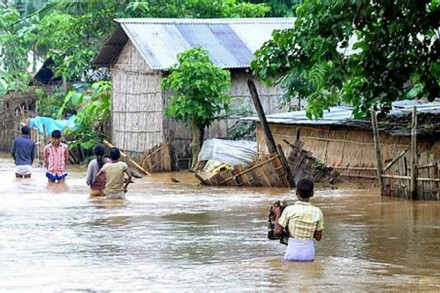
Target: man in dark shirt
[(23, 152)]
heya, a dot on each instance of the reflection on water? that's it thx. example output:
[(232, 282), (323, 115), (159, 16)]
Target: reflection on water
[(179, 236)]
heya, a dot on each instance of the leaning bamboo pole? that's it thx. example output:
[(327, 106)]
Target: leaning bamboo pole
[(413, 157), (268, 134), (377, 150), (126, 157)]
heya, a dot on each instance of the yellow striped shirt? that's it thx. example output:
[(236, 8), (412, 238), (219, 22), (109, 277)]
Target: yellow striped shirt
[(302, 220)]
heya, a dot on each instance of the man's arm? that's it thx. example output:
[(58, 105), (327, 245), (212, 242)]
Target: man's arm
[(46, 155), (319, 227), (13, 150), (33, 154), (317, 235), (66, 155), (278, 229), (128, 179)]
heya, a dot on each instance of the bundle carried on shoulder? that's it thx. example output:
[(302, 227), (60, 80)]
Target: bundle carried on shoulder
[(284, 237)]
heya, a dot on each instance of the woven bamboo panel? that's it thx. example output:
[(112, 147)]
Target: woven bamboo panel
[(350, 151), (137, 110), (157, 159)]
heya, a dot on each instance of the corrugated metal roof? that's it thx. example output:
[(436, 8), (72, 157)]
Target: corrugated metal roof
[(231, 43), (340, 115)]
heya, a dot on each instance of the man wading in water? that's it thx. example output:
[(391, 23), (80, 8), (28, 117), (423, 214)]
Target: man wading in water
[(56, 155), (23, 152), (304, 221)]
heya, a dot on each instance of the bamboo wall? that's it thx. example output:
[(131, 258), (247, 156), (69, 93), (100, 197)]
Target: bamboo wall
[(269, 96), (348, 151), (14, 108), (136, 104), (138, 122), (181, 135)]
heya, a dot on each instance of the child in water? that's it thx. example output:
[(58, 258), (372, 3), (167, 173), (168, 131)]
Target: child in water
[(96, 183), (56, 155), (304, 221), (115, 188)]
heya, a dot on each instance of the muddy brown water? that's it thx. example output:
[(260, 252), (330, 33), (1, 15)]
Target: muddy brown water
[(170, 236)]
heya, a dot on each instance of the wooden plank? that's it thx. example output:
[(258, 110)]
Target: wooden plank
[(390, 164)]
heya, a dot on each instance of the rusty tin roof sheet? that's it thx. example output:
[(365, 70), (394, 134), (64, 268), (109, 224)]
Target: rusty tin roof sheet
[(231, 43)]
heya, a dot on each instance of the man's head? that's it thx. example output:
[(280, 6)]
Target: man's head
[(114, 154), (25, 130), (304, 188), (56, 137)]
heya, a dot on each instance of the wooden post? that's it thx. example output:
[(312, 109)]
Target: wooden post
[(377, 149), (268, 134), (126, 157), (413, 157), (283, 159)]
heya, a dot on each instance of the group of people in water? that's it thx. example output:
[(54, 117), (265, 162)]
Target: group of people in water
[(106, 176), (110, 177)]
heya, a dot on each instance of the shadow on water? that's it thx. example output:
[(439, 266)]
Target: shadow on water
[(169, 236)]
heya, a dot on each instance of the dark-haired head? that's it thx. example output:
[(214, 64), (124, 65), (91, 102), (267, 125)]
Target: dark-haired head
[(114, 154), (56, 134), (304, 188), (25, 130), (98, 150)]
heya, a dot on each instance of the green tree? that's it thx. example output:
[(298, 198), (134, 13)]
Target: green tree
[(280, 7), (359, 52), (199, 93)]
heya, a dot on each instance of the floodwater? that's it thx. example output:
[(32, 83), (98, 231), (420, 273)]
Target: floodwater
[(182, 237)]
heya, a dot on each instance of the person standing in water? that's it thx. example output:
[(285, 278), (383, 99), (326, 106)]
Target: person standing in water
[(116, 185), (23, 153), (56, 155), (304, 221), (96, 183)]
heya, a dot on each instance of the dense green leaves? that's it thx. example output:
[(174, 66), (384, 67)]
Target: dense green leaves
[(72, 32), (199, 88), (198, 93), (363, 53), (93, 107)]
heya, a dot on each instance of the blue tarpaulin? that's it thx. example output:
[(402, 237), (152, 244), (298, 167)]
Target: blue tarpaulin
[(47, 125)]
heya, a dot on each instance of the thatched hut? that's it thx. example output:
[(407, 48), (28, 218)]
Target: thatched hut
[(14, 108), (346, 144), (141, 51)]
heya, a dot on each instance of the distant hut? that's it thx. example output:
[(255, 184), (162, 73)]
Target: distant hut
[(15, 107), (141, 51), (346, 144)]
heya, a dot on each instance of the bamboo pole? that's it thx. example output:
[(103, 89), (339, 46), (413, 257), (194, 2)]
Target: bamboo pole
[(259, 108), (268, 134), (413, 156), (377, 149), (394, 160), (126, 157)]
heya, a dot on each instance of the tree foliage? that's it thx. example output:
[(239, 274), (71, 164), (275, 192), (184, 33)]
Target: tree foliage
[(72, 32), (199, 88), (93, 108), (364, 53), (280, 7), (198, 93)]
